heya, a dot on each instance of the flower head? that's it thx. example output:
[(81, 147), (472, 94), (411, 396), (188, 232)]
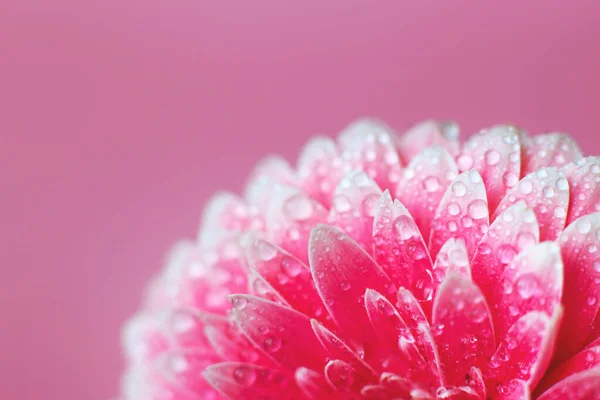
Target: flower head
[(386, 267)]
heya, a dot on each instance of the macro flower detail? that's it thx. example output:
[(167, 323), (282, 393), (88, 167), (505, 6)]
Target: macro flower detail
[(386, 266)]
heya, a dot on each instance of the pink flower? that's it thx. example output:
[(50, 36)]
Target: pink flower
[(386, 267)]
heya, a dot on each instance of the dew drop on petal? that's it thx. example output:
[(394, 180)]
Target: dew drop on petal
[(492, 157), (298, 207), (478, 209), (245, 376), (527, 286), (272, 344), (405, 228), (459, 189), (239, 303), (453, 209), (431, 184)]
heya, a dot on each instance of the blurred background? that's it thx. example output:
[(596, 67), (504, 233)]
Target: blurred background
[(118, 118)]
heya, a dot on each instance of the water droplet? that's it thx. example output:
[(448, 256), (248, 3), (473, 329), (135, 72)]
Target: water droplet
[(370, 205), (510, 179), (506, 253), (492, 157), (526, 187), (431, 184), (340, 374), (525, 239), (583, 226), (266, 251), (298, 207), (466, 221), (559, 212), (527, 286), (485, 249), (548, 192), (405, 227), (562, 184), (452, 226), (459, 189), (291, 267), (341, 203), (464, 162), (416, 251), (272, 344), (591, 300), (345, 286), (453, 209), (239, 303), (478, 209), (245, 376)]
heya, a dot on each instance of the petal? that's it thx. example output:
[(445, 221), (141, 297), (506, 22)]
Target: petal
[(368, 145), (582, 386), (354, 206), (525, 351), (183, 368), (457, 393), (452, 258), (425, 134), (375, 392), (397, 385), (339, 349), (496, 154), (462, 328), (532, 282), (342, 271), (584, 179), (476, 382), (580, 244), (320, 168), (586, 359), (399, 248), (513, 231), (516, 389), (290, 216), (396, 342), (546, 191), (313, 385), (424, 183), (549, 150), (288, 276), (463, 213), (342, 377), (281, 333), (226, 211), (236, 380)]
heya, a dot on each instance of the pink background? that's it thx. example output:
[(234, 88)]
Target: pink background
[(119, 117)]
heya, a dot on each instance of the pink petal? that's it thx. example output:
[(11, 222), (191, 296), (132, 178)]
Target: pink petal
[(248, 381), (275, 168), (452, 258), (339, 349), (549, 150), (476, 382), (457, 393), (342, 271), (354, 207), (375, 392), (397, 344), (580, 245), (411, 312), (313, 385), (183, 369), (288, 276), (228, 342), (513, 231), (320, 168), (399, 248), (546, 191), (584, 179), (586, 359), (516, 389), (290, 216), (462, 328), (425, 134), (595, 333), (582, 386), (226, 211), (462, 213), (260, 287), (343, 377), (525, 351), (496, 154), (424, 183), (396, 385), (368, 145), (280, 332), (532, 282)]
